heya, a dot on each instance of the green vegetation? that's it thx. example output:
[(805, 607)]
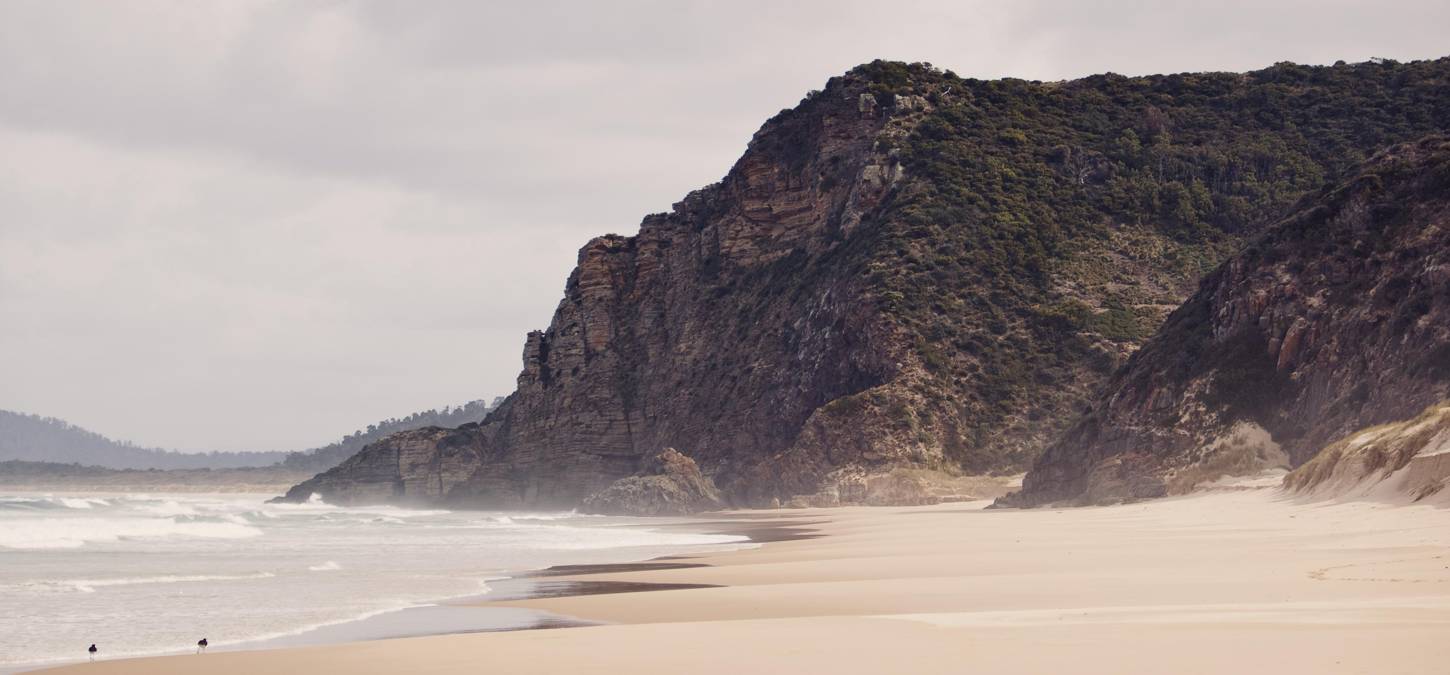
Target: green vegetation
[(1044, 226), (332, 454)]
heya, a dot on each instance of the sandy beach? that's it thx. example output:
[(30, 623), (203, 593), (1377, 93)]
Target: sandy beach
[(1226, 582)]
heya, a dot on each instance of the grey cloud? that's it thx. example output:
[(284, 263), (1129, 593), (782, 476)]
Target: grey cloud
[(259, 225)]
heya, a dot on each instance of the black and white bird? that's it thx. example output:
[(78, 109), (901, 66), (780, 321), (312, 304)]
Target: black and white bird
[(201, 645), (93, 651)]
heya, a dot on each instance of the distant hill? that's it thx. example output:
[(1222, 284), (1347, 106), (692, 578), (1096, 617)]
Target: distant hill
[(328, 456), (48, 439), (33, 438)]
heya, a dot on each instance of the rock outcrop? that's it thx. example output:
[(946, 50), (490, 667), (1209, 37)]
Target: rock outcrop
[(908, 272), (669, 484), (1337, 319), (1400, 461), (419, 466)]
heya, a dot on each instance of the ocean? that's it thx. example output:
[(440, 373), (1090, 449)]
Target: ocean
[(141, 574)]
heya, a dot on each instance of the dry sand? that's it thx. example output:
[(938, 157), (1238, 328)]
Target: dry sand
[(1231, 582)]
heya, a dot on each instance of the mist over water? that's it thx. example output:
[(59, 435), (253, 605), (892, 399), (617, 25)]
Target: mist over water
[(147, 574)]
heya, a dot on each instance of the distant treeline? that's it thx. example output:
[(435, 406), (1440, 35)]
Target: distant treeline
[(328, 456), (32, 438), (20, 468)]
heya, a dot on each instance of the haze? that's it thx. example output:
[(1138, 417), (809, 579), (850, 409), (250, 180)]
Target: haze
[(231, 226)]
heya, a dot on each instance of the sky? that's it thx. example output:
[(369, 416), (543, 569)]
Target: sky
[(261, 225)]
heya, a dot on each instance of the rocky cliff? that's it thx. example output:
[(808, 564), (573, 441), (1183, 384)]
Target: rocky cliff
[(909, 271), (719, 328), (1337, 319)]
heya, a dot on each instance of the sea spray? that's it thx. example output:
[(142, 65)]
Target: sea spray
[(143, 574)]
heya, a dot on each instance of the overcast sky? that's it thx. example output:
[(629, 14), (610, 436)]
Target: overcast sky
[(262, 225)]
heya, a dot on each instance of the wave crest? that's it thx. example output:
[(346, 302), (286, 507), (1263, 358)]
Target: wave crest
[(90, 585), (55, 533)]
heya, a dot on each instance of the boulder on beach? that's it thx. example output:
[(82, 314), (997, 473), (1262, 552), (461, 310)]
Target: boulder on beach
[(667, 484)]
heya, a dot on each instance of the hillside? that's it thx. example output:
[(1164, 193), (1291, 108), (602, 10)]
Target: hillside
[(48, 439), (55, 443), (1337, 319), (909, 270)]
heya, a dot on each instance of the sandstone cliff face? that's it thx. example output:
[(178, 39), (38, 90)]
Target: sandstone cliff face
[(909, 273), (1337, 319)]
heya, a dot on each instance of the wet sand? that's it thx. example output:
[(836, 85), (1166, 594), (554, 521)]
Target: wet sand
[(1232, 582)]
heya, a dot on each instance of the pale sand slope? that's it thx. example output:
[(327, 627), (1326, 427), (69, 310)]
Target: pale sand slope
[(1234, 582)]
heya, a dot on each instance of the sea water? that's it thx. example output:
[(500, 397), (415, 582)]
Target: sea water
[(150, 574)]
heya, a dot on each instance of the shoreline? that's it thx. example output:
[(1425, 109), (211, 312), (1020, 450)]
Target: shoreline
[(494, 611), (1236, 579), (469, 613), (491, 611)]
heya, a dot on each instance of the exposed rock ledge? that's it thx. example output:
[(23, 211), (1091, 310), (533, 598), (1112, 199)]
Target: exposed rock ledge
[(669, 484)]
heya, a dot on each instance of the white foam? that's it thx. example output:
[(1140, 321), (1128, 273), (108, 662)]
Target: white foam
[(512, 518), (168, 508), (483, 589), (81, 502), (552, 516), (51, 501), (90, 585), (56, 533), (314, 504), (574, 538), (167, 563)]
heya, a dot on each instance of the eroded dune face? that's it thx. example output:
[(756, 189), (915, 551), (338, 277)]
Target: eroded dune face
[(1401, 461)]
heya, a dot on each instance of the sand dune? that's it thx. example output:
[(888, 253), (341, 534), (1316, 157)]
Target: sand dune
[(1234, 582)]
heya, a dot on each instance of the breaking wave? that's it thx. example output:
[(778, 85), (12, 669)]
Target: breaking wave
[(90, 585), (143, 569), (50, 502), (43, 533)]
